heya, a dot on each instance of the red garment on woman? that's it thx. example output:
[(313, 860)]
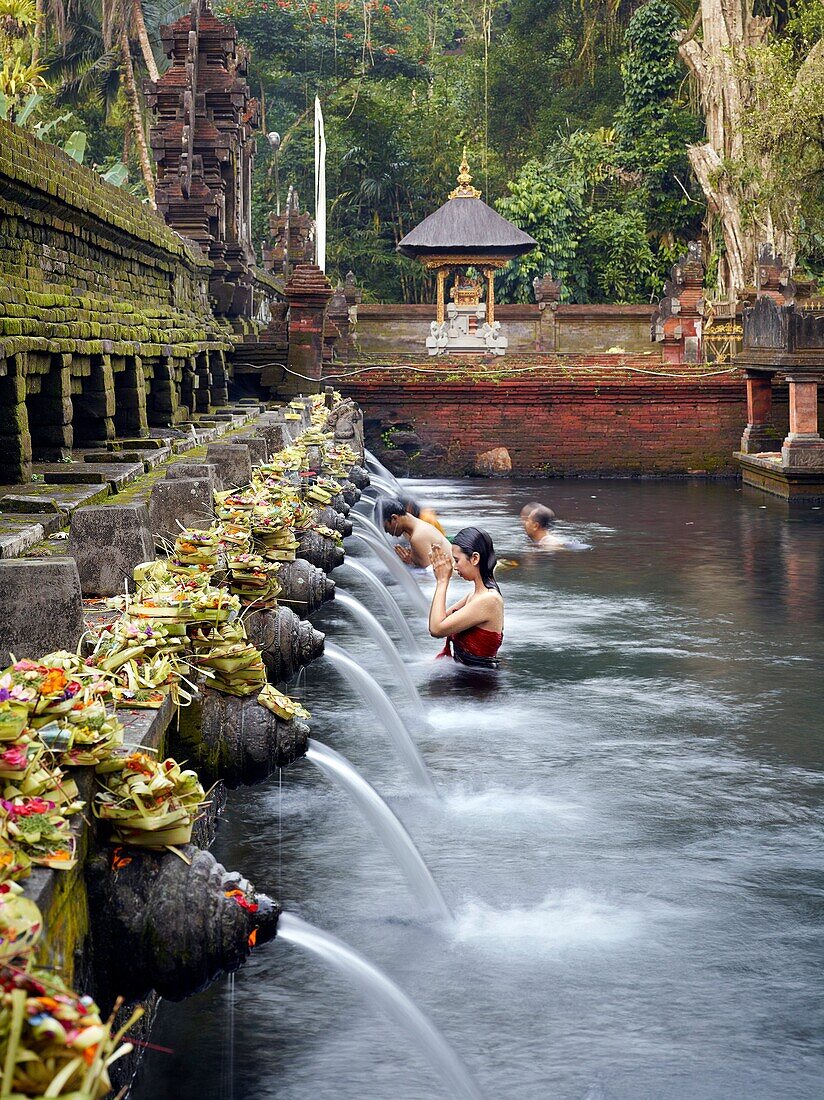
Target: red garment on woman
[(474, 646)]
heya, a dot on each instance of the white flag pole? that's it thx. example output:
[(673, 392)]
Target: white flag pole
[(320, 188)]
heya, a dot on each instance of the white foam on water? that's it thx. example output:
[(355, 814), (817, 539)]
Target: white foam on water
[(472, 719), (510, 804), (567, 919)]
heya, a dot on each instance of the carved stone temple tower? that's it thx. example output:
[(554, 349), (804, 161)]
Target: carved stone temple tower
[(203, 145)]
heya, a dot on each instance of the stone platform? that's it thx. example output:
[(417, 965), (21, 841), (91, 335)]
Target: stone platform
[(801, 484)]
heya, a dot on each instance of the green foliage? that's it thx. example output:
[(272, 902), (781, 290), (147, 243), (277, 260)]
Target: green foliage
[(783, 140), (619, 255), (649, 68), (550, 206)]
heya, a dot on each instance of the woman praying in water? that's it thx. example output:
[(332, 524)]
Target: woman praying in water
[(474, 626)]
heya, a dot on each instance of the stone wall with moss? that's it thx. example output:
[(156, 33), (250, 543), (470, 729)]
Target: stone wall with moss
[(105, 323)]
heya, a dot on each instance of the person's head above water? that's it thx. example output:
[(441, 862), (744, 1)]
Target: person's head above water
[(528, 508), (392, 509), (537, 521), (474, 556)]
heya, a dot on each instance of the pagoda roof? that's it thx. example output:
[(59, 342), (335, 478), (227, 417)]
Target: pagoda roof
[(466, 225)]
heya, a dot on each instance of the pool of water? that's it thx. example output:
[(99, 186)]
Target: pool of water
[(629, 831)]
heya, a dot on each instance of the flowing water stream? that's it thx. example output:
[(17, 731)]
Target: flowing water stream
[(389, 651), (385, 710), (379, 591), (396, 569), (630, 830), (385, 824)]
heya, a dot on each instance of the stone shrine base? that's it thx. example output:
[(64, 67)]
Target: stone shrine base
[(765, 471)]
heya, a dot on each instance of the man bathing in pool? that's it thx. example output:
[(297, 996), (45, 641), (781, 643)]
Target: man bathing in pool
[(537, 521), (422, 535)]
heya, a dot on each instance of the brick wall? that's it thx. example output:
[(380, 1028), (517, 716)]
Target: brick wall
[(585, 418)]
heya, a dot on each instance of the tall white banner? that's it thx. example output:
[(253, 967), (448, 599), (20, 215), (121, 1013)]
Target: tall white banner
[(320, 188)]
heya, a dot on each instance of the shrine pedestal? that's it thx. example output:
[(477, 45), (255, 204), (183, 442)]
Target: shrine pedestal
[(466, 331)]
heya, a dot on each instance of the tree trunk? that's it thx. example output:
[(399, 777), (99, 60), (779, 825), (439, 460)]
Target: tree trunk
[(137, 115), (145, 46), (37, 37), (728, 28)]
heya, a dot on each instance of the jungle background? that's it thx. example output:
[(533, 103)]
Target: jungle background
[(612, 131)]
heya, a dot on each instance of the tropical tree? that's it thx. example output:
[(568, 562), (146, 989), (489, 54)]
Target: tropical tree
[(93, 60), (761, 98)]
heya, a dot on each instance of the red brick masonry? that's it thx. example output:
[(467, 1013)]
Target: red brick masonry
[(592, 416)]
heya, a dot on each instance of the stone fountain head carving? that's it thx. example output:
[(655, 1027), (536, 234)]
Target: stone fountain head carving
[(171, 924), (304, 588)]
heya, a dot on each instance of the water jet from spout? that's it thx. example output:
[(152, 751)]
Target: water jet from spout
[(396, 569), (386, 825), (386, 646), (372, 693), (383, 992), (375, 466), (387, 600)]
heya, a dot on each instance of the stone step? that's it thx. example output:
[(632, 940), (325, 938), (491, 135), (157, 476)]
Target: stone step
[(114, 474), (56, 499)]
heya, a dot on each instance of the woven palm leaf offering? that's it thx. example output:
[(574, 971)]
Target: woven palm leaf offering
[(328, 533), (204, 637), (321, 490), (235, 505), (281, 464), (235, 538), (274, 538), (339, 460), (144, 659), (21, 924), (233, 668), (281, 705), (40, 827), (148, 803), (93, 730), (53, 1042), (14, 863), (28, 770), (195, 552), (253, 580)]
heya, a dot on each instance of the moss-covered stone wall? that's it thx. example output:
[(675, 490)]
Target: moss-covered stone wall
[(105, 322)]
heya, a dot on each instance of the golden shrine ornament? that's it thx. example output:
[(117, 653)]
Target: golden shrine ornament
[(465, 190)]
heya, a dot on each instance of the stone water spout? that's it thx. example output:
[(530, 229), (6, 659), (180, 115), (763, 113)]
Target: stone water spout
[(287, 643), (236, 739), (350, 492), (323, 552), (304, 588), (359, 476), (171, 924), (340, 504), (336, 521)]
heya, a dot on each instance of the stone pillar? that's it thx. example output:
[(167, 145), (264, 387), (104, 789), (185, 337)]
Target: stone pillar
[(15, 439), (308, 293), (130, 416), (759, 434), (803, 445)]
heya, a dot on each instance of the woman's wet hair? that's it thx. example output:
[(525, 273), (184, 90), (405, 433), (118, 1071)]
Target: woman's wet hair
[(391, 506), (472, 540)]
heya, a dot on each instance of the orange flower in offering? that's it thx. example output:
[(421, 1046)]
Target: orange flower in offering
[(55, 680), (139, 762)]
